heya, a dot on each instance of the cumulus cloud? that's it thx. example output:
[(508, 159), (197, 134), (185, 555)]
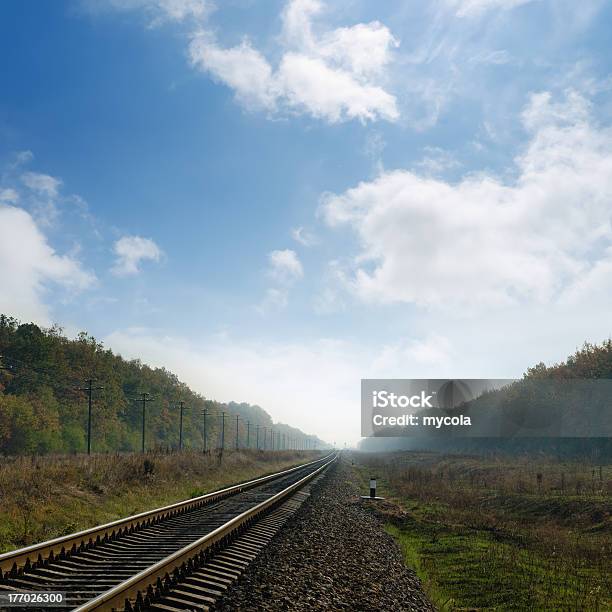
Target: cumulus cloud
[(333, 75), (242, 68), (308, 84), (32, 272), (484, 241), (130, 251), (285, 267), (29, 266)]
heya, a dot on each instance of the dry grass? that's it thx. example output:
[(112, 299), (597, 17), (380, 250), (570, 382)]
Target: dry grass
[(44, 497), (537, 528)]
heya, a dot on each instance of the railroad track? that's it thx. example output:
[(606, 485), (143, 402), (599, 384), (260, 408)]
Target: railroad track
[(182, 556)]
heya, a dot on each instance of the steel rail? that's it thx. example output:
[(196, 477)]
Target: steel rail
[(21, 557), (121, 595)]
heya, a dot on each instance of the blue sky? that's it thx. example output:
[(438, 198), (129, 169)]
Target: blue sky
[(277, 199)]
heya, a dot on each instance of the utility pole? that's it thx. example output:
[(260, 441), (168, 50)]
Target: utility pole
[(272, 439), (204, 427), (144, 398), (248, 434), (237, 444), (222, 430), (265, 435), (257, 444), (182, 405), (89, 388)]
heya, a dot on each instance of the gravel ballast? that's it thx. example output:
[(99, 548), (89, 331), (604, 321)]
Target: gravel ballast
[(333, 554)]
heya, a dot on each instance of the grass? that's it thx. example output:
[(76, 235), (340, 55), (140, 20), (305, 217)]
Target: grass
[(45, 497), (490, 534)]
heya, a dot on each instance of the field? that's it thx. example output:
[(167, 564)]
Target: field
[(45, 497), (499, 533)]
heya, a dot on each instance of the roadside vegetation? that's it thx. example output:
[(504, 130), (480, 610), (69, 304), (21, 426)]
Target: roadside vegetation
[(45, 497), (43, 400), (499, 532)]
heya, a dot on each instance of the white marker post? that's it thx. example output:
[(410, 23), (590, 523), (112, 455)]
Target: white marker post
[(372, 495)]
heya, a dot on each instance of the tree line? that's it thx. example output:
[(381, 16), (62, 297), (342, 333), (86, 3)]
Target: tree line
[(44, 379), (589, 362)]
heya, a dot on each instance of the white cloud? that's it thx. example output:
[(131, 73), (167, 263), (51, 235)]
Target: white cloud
[(351, 72), (335, 75), (285, 267), (8, 196), (310, 85), (484, 241), (303, 236), (363, 49), (42, 184), (437, 161), (242, 68), (542, 112), (29, 266), (179, 10), (21, 158), (130, 251), (297, 21), (157, 11), (42, 196)]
